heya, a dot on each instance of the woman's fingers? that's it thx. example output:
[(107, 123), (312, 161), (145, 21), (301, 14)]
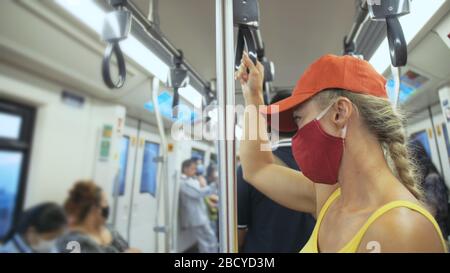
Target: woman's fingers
[(248, 63), (260, 67), (241, 73)]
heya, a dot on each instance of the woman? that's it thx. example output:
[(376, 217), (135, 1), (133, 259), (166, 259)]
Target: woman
[(37, 231), (435, 190), (350, 145), (87, 210)]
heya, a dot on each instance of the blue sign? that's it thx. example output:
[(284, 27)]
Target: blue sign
[(165, 101)]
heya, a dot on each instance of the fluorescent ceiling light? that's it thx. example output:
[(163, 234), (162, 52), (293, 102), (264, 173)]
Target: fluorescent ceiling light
[(87, 12), (192, 96), (421, 13), (134, 49), (90, 14)]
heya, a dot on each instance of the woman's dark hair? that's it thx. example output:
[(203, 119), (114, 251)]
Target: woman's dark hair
[(46, 217), (187, 164), (424, 163), (211, 169), (82, 198)]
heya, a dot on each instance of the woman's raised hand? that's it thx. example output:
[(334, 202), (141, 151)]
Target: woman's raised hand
[(251, 77)]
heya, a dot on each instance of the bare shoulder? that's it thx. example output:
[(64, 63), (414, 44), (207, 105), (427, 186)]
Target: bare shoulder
[(402, 230)]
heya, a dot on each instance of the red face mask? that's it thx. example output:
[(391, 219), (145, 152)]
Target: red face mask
[(317, 153)]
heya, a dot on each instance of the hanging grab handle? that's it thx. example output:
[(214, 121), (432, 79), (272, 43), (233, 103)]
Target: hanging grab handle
[(246, 19), (245, 39), (114, 49), (178, 78), (397, 43), (389, 11), (116, 28)]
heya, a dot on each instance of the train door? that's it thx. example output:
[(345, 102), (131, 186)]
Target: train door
[(124, 184), (145, 192), (136, 202)]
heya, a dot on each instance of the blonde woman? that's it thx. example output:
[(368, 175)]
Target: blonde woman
[(350, 145)]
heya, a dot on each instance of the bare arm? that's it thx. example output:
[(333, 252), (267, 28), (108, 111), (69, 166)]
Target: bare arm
[(285, 186)]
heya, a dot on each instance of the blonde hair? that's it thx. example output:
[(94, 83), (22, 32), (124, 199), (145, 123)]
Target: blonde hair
[(386, 123)]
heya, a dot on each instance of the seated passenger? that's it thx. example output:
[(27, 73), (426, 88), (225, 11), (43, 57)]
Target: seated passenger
[(356, 176), (265, 226), (436, 192), (193, 211), (37, 230), (87, 211)]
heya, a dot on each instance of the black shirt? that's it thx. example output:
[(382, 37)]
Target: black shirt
[(271, 227)]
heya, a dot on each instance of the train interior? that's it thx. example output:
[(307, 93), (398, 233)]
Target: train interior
[(60, 123)]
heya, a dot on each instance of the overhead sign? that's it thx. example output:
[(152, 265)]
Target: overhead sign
[(165, 100), (410, 82)]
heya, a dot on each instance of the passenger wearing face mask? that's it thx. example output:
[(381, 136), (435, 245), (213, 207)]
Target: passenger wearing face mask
[(87, 211), (193, 210), (37, 230), (263, 225), (356, 176)]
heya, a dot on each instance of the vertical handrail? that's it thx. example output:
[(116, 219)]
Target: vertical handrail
[(225, 95), (175, 206), (397, 82), (162, 171)]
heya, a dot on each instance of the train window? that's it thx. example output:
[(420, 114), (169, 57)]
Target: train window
[(10, 167), (422, 137), (150, 168), (10, 126), (15, 136), (198, 153), (124, 145)]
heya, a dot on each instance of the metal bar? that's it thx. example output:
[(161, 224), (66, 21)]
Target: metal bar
[(175, 206), (397, 82), (361, 16), (154, 31), (225, 95), (162, 173), (133, 184)]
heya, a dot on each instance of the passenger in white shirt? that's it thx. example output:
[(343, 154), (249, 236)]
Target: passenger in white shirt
[(194, 214)]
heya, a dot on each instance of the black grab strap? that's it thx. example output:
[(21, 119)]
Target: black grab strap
[(245, 38), (397, 43), (114, 48), (175, 103)]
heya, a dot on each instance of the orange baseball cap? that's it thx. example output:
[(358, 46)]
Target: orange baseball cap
[(329, 72)]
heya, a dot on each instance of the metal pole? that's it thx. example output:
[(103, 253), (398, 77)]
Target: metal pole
[(225, 95), (163, 183), (397, 82), (361, 17)]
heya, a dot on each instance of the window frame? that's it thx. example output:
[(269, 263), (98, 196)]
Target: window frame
[(23, 144)]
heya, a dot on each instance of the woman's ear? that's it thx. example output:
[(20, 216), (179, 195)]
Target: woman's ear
[(343, 110)]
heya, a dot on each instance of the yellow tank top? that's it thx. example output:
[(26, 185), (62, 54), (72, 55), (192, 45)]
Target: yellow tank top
[(353, 245)]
